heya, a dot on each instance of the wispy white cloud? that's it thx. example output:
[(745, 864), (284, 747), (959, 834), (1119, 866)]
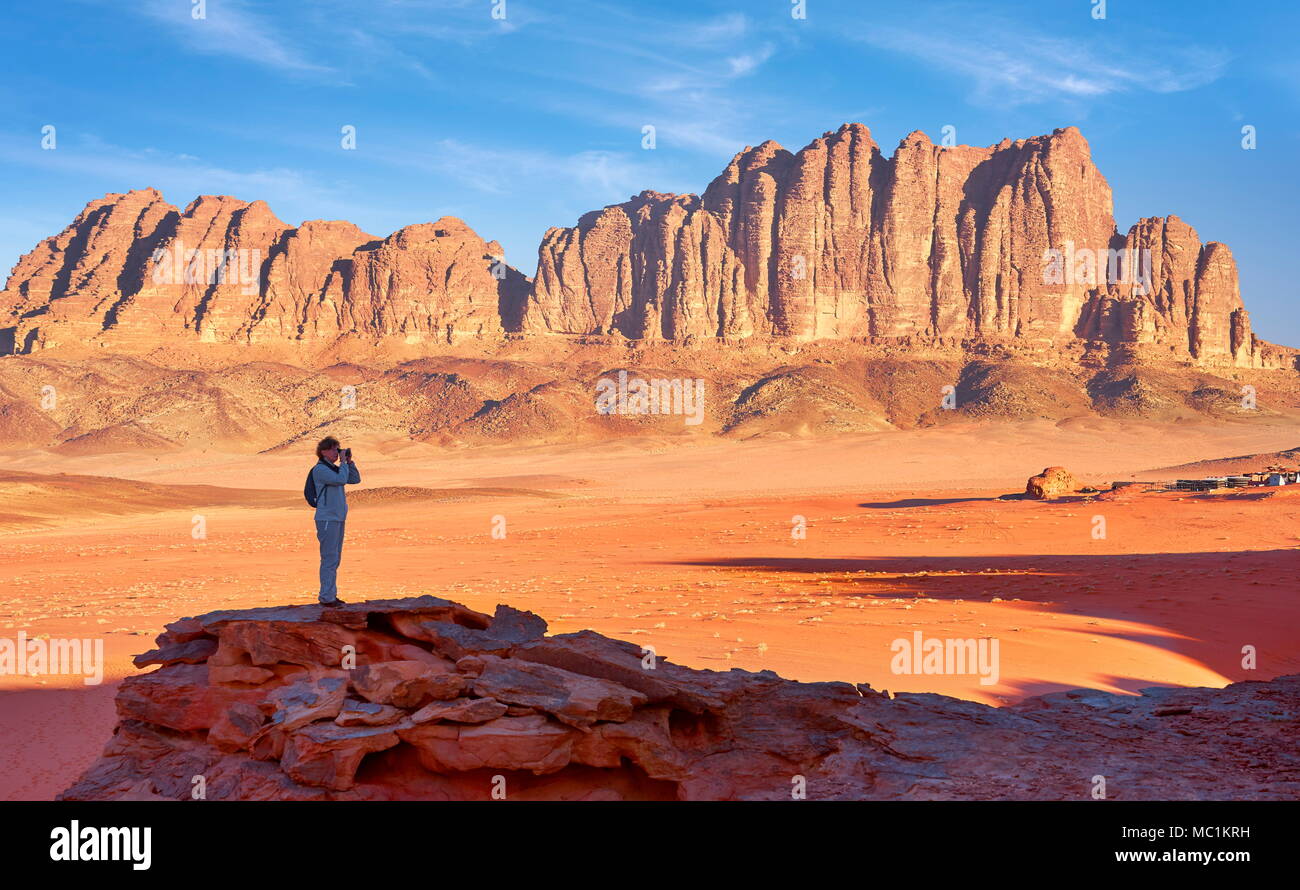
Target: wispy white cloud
[(466, 22), (746, 63), (594, 175), (385, 51), (1005, 62), (327, 29), (678, 73), (721, 29), (230, 28)]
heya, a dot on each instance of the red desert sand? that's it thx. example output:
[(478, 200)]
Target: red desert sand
[(686, 549)]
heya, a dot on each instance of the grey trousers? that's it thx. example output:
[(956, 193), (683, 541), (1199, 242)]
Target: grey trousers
[(330, 534)]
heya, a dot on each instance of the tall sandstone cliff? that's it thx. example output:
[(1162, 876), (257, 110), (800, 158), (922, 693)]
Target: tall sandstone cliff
[(943, 246), (935, 244), (133, 270)]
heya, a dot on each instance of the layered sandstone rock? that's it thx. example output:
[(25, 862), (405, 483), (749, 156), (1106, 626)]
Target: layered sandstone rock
[(1173, 293), (75, 280), (436, 280), (944, 246), (204, 272), (425, 699), (657, 267), (935, 244), (839, 241), (310, 261), (132, 270)]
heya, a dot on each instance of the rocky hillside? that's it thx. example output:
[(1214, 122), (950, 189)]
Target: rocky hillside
[(129, 403), (943, 246), (425, 699)]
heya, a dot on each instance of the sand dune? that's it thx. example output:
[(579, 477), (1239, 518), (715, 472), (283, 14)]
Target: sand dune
[(34, 498)]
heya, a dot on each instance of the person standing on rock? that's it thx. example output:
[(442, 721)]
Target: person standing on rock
[(324, 491)]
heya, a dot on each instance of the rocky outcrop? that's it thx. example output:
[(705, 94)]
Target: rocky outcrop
[(935, 245), (423, 698), (1175, 296), (1051, 483), (133, 271), (657, 267), (75, 280), (304, 280), (435, 280)]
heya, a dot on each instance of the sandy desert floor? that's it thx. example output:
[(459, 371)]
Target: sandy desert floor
[(686, 548)]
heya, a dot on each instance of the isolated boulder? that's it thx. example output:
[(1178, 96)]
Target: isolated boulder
[(1052, 482)]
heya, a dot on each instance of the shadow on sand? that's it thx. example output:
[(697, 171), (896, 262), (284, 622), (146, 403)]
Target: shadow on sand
[(1185, 595)]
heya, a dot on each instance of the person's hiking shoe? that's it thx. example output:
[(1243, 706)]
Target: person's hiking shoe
[(333, 602)]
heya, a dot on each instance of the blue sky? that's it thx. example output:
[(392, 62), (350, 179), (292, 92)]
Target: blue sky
[(526, 122)]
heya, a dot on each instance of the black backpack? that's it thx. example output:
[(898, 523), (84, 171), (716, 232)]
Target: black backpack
[(309, 489)]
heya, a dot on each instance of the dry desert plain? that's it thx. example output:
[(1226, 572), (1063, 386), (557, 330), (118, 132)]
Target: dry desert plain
[(686, 547)]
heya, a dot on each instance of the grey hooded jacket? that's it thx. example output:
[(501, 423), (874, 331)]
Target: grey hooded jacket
[(331, 502)]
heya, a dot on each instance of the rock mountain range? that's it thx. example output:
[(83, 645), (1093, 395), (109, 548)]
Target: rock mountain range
[(936, 246)]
